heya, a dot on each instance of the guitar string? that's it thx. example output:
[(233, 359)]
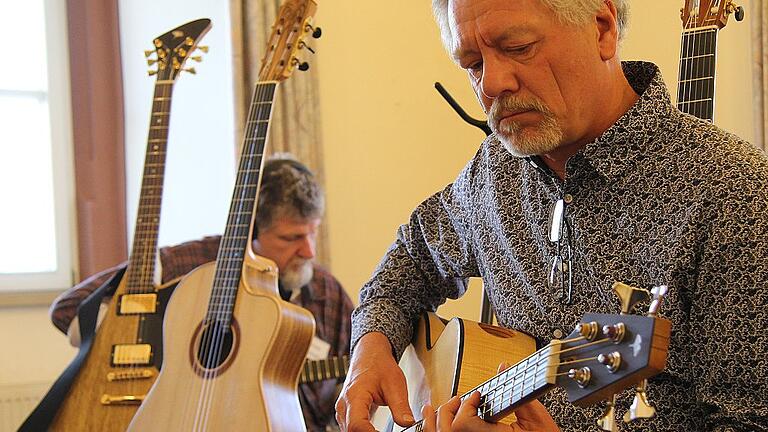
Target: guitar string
[(217, 336), (526, 382)]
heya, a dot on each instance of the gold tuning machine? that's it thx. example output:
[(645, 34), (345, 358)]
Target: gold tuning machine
[(731, 7), (608, 420), (152, 72), (190, 70), (629, 296), (203, 48), (150, 61), (148, 53), (197, 58), (641, 408)]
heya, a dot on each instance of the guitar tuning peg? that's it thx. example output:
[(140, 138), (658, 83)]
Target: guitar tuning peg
[(303, 45), (739, 13), (203, 48), (629, 296), (152, 72), (302, 66), (641, 408), (197, 58), (150, 62), (190, 70), (658, 293), (148, 53), (608, 421), (316, 31)]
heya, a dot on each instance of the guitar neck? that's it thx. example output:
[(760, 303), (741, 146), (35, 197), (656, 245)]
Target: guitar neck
[(234, 242), (141, 267), (696, 77), (521, 383), (325, 369)]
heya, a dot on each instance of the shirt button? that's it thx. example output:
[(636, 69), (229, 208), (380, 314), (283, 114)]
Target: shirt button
[(568, 198), (557, 333)]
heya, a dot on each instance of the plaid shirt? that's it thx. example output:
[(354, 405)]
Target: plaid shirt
[(323, 296)]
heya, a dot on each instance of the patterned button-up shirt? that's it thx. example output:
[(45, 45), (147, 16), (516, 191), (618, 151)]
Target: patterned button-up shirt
[(659, 198), (323, 296)]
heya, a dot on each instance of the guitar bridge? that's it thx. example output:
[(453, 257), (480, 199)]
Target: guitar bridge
[(132, 355), (122, 400), (130, 375), (133, 304)]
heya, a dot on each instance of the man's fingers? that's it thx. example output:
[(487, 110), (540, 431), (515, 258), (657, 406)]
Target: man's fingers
[(357, 416), (396, 397), (447, 413)]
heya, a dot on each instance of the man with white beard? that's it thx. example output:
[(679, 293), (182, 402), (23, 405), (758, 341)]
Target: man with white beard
[(289, 211)]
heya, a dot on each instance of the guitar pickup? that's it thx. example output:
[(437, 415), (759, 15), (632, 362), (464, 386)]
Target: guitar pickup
[(121, 400), (137, 374), (133, 304), (132, 355)]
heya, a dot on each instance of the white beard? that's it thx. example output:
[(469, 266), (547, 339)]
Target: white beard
[(296, 276)]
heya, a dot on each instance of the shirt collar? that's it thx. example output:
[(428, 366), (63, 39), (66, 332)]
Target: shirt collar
[(634, 135)]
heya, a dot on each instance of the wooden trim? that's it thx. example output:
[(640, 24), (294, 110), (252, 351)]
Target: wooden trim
[(97, 123)]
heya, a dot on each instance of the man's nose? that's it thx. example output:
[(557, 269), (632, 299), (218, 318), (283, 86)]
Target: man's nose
[(499, 75), (307, 248)]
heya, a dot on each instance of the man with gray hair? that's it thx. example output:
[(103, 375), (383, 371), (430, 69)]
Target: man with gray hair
[(591, 176), (288, 214)]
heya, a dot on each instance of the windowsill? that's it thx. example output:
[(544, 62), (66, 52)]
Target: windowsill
[(28, 298)]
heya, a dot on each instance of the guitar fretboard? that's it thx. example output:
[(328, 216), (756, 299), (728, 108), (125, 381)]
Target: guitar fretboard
[(141, 267), (524, 381), (325, 369), (234, 242), (696, 80)]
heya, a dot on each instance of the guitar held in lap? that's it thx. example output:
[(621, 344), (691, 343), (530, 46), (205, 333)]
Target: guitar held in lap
[(602, 356)]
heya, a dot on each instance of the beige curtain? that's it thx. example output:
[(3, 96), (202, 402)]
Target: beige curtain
[(295, 125), (758, 11)]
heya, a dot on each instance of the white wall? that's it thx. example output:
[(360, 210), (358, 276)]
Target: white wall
[(200, 161)]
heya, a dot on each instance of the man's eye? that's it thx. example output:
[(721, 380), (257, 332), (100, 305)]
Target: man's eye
[(519, 50), (475, 69)]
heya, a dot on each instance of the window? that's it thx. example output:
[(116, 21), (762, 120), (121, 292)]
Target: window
[(36, 220)]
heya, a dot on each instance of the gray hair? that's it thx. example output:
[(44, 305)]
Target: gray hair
[(288, 189), (576, 12)]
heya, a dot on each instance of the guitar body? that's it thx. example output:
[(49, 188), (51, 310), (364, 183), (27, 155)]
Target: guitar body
[(255, 387), (84, 408), (453, 357)]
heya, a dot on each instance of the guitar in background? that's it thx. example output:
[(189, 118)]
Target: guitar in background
[(233, 348), (124, 359), (702, 22), (324, 369)]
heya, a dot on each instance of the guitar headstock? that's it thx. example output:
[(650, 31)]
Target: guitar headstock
[(175, 47), (708, 13), (608, 353), (293, 24)]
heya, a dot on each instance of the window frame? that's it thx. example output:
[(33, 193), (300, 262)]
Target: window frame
[(40, 288)]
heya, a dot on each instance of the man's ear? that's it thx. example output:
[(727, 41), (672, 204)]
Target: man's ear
[(607, 30)]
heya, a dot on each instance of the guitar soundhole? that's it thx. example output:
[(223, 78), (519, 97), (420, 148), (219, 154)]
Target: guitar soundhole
[(215, 344)]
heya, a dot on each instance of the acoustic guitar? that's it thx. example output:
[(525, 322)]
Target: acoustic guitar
[(125, 356), (702, 22), (602, 356), (233, 348)]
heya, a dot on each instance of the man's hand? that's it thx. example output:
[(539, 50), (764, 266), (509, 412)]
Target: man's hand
[(374, 379)]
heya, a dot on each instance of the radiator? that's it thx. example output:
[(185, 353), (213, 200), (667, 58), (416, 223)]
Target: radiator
[(17, 401)]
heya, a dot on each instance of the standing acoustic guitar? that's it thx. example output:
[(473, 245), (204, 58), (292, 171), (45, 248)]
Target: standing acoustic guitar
[(233, 348), (702, 21), (122, 362)]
